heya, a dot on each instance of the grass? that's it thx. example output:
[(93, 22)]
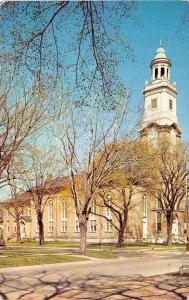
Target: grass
[(26, 257), (22, 259), (108, 246), (102, 255)]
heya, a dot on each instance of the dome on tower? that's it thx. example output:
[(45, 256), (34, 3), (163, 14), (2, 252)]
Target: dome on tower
[(160, 53)]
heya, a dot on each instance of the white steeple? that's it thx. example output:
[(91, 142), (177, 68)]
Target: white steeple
[(160, 93)]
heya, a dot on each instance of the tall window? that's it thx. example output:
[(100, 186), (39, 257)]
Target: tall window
[(93, 217), (109, 214), (63, 216), (36, 225), (156, 73), (158, 221), (162, 71), (154, 103), (170, 104), (50, 216), (145, 206)]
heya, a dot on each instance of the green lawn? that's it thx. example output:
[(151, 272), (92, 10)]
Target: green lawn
[(16, 260), (109, 246), (25, 257), (102, 255)]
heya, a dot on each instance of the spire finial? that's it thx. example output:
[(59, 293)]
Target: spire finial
[(160, 43)]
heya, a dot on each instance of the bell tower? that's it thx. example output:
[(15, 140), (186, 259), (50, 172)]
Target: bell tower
[(160, 117)]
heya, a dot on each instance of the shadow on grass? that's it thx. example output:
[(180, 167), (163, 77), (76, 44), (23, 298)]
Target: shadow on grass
[(47, 285)]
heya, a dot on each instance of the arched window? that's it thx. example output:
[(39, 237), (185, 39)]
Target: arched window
[(50, 210), (63, 209), (167, 73), (162, 72), (156, 73)]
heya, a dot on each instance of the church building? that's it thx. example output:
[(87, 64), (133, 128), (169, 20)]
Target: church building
[(145, 221)]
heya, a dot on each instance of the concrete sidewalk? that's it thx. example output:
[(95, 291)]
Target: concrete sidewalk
[(124, 278)]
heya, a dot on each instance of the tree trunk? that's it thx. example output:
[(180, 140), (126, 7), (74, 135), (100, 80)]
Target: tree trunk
[(18, 234), (41, 227), (83, 234), (121, 236), (169, 218)]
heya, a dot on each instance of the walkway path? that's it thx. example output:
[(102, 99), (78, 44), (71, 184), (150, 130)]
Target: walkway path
[(123, 278)]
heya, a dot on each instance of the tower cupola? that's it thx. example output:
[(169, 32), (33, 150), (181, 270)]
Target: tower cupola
[(160, 99), (160, 65)]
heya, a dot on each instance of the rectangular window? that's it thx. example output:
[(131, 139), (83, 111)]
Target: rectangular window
[(50, 227), (63, 216), (93, 225), (64, 226), (145, 206), (50, 217), (170, 104), (154, 103), (108, 226), (158, 221), (93, 217)]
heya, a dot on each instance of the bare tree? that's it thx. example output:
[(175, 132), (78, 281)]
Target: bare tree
[(135, 175), (20, 117), (35, 174), (15, 207), (44, 34), (172, 171), (87, 139)]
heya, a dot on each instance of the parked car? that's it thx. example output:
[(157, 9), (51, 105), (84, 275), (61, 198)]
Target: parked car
[(2, 242)]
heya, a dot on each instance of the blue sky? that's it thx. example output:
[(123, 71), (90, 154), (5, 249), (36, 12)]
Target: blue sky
[(154, 21)]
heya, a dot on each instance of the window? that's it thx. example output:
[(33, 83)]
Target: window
[(170, 104), (109, 213), (37, 225), (50, 216), (154, 103), (64, 226), (167, 73), (162, 72), (108, 207), (93, 217), (108, 226), (63, 209), (63, 216), (145, 207), (156, 73), (93, 225), (50, 227), (158, 221), (50, 210)]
